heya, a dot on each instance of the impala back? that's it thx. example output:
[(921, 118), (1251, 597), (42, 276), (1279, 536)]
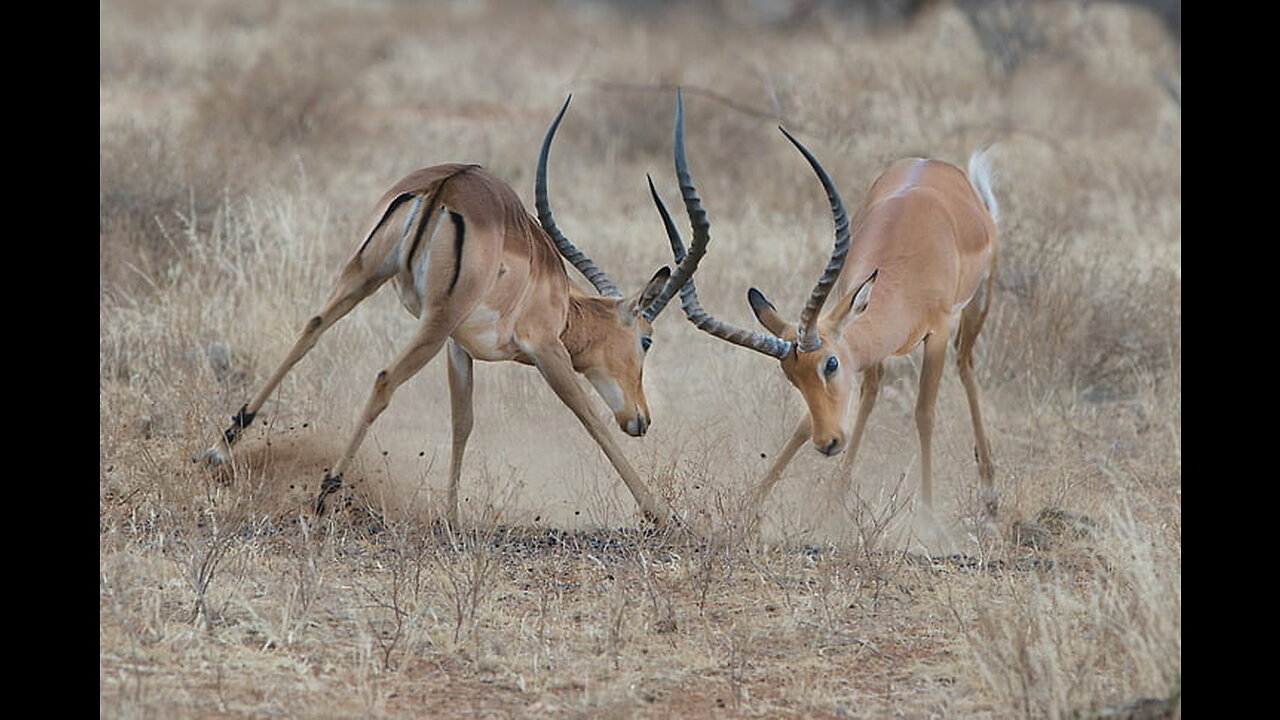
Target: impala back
[(927, 231)]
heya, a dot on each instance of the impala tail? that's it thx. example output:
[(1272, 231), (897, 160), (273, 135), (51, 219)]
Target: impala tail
[(980, 176)]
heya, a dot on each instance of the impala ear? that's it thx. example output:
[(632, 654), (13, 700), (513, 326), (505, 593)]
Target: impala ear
[(853, 304), (768, 315), (645, 297)]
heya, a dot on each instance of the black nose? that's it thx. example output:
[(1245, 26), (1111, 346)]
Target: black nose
[(830, 448), (637, 426)]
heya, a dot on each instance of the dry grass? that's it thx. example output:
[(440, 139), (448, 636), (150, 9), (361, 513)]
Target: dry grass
[(242, 143)]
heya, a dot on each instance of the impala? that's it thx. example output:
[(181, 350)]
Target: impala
[(909, 270), (486, 279)]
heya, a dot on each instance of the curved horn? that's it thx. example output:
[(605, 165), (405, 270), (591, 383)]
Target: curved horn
[(767, 344), (682, 278), (807, 330), (688, 293), (571, 253)]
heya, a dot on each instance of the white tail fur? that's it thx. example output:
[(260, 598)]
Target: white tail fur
[(980, 177)]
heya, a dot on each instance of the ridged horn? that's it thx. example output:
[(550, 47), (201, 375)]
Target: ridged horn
[(686, 263), (576, 257), (688, 292), (767, 344), (807, 331)]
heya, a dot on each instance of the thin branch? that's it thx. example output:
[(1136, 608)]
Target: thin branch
[(764, 114)]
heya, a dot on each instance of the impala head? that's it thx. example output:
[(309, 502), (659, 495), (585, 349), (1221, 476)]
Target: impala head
[(609, 339), (609, 336), (812, 355), (825, 375)]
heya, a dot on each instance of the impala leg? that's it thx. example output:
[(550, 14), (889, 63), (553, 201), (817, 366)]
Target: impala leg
[(554, 363), (935, 355), (354, 285), (971, 322), (867, 395), (461, 384), (798, 438), (428, 341)]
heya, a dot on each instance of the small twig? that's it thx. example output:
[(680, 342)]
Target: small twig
[(610, 86), (822, 648), (128, 497)]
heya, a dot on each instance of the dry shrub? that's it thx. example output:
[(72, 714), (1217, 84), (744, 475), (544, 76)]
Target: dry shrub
[(1047, 643), (146, 175), (285, 96), (1091, 324)]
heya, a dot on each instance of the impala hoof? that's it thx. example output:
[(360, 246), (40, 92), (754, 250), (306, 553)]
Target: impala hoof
[(330, 485), (672, 526), (239, 422), (990, 502)]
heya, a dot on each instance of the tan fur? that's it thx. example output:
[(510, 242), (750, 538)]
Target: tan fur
[(498, 292), (931, 242)]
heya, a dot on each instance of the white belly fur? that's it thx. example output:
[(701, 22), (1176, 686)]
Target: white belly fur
[(479, 336)]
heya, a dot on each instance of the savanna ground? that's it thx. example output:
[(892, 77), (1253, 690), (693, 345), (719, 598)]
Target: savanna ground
[(242, 144)]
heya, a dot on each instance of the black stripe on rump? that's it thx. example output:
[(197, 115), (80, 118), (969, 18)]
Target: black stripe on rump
[(423, 222), (391, 208), (459, 235)]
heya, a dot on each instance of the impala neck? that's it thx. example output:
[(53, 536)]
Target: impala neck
[(874, 336)]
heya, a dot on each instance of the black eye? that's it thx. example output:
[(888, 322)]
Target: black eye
[(832, 365), (645, 342)]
